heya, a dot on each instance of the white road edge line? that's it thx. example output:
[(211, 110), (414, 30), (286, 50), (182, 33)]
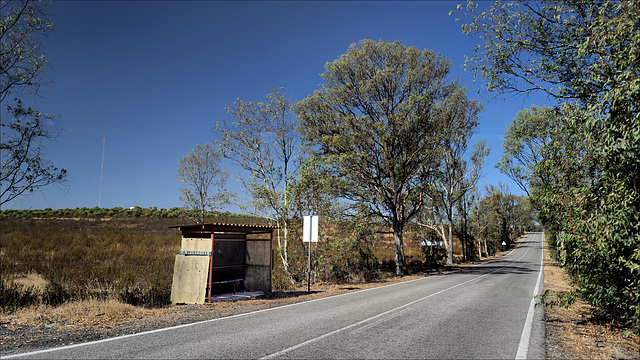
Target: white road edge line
[(523, 347), (302, 344), (71, 346)]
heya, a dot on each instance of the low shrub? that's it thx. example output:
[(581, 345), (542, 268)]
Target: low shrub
[(14, 296)]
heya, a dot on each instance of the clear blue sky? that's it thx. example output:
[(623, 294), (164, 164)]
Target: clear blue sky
[(154, 77)]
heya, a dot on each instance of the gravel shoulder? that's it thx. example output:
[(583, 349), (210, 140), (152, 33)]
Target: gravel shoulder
[(37, 328), (572, 333)]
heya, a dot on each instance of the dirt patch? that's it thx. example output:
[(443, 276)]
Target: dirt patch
[(570, 333), (32, 280), (44, 327), (575, 332)]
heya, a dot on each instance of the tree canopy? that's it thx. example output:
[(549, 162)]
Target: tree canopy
[(23, 26), (200, 171), (524, 142), (585, 54), (379, 123), (262, 140)]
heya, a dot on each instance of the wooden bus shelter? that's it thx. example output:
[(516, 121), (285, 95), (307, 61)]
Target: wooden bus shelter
[(222, 258)]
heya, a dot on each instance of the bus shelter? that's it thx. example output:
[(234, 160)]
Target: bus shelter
[(222, 258)]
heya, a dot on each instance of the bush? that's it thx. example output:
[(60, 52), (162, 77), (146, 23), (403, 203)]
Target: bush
[(353, 258), (14, 296), (435, 257), (55, 294)]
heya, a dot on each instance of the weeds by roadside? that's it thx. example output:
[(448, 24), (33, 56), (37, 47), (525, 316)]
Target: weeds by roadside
[(131, 259)]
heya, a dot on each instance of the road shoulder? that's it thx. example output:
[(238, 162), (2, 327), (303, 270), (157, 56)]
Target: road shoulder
[(575, 332)]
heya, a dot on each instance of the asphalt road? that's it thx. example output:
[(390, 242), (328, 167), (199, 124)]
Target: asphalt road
[(485, 311)]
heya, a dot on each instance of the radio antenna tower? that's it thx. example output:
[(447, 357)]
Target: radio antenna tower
[(101, 171)]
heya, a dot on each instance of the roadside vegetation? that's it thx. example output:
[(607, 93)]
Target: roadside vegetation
[(579, 159), (56, 257), (382, 152)]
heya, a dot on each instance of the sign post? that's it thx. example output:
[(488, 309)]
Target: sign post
[(310, 234)]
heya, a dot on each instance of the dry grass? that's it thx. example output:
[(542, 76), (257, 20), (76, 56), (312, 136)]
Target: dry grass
[(101, 314), (575, 332), (33, 280), (132, 257), (85, 314), (45, 326)]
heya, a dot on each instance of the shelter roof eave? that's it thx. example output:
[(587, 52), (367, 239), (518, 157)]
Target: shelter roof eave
[(211, 228)]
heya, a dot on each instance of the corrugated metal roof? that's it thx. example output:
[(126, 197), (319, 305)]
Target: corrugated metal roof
[(223, 227)]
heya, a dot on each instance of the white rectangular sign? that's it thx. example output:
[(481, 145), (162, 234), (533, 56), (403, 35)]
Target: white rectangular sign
[(432, 243), (310, 229)]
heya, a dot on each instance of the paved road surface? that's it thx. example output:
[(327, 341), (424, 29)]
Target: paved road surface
[(485, 311)]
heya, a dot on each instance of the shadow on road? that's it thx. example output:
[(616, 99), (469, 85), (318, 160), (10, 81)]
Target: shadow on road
[(287, 294), (497, 269)]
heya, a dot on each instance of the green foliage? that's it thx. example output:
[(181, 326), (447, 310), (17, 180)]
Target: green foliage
[(354, 256), (551, 299), (24, 170), (377, 126), (587, 55), (523, 145), (499, 216), (23, 25), (119, 212)]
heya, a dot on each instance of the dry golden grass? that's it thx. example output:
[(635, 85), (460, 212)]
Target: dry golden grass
[(32, 280), (38, 324), (85, 314)]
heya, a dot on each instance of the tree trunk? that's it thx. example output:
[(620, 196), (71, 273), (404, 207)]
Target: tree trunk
[(486, 250), (282, 250), (450, 245), (463, 241), (397, 240), (466, 241)]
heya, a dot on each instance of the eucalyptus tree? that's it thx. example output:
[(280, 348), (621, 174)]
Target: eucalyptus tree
[(584, 54), (24, 25), (200, 171), (263, 141), (455, 177), (378, 125), (490, 217), (524, 145)]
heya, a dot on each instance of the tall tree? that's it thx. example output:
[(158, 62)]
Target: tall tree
[(455, 178), (378, 123), (205, 181), (493, 216), (263, 141), (524, 143), (23, 25), (583, 53)]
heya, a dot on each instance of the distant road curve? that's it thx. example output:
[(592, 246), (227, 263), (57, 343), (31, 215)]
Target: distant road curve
[(484, 311)]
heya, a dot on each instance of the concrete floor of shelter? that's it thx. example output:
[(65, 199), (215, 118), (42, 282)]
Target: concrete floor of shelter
[(239, 295)]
